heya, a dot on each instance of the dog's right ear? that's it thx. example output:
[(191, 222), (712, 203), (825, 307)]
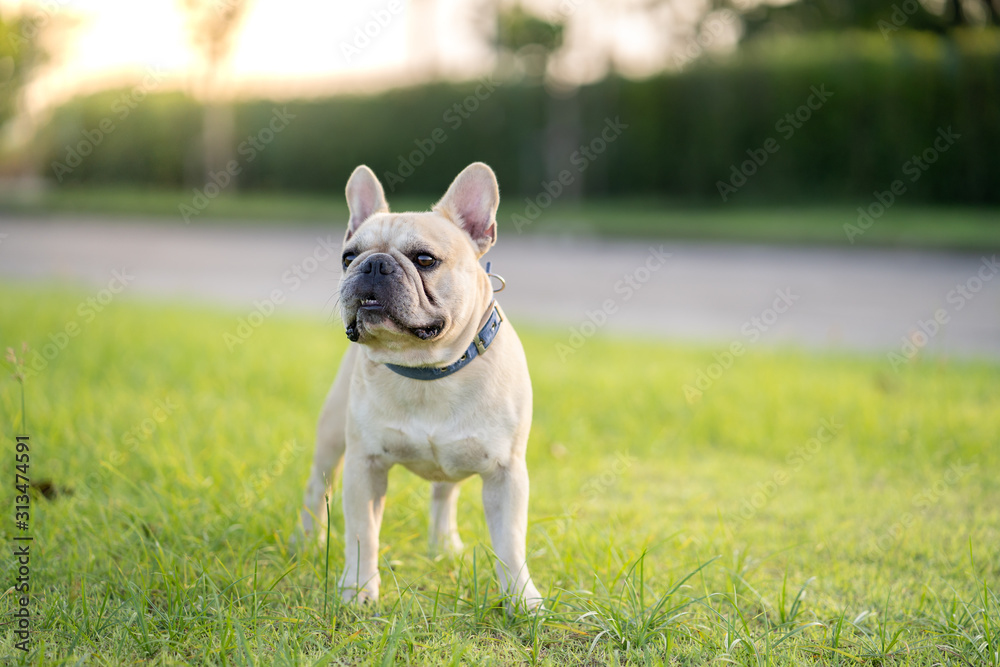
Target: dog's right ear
[(365, 197)]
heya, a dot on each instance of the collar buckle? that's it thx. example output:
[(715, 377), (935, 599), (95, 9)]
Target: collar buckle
[(489, 328)]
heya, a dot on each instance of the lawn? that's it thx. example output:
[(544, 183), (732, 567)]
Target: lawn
[(807, 508), (957, 228)]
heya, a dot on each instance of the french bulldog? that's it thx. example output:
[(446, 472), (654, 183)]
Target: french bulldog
[(436, 381)]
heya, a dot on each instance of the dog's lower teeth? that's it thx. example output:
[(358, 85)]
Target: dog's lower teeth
[(426, 333)]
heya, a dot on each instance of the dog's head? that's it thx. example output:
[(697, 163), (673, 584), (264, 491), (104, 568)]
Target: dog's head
[(412, 283)]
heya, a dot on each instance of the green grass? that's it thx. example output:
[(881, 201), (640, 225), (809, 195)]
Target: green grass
[(921, 227), (728, 531)]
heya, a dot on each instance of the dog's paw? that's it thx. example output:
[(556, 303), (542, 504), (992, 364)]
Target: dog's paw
[(359, 591), (359, 596), (453, 545), (530, 601)]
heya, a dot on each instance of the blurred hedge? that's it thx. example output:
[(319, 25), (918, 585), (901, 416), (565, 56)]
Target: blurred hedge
[(685, 131)]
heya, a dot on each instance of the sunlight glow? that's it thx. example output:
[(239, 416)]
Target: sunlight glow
[(290, 48)]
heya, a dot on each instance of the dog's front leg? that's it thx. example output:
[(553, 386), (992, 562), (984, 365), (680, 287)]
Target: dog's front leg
[(505, 501), (365, 482)]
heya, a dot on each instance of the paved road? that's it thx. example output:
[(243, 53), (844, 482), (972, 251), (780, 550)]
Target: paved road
[(831, 297)]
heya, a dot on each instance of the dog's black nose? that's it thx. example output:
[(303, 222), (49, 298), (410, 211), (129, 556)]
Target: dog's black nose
[(380, 263)]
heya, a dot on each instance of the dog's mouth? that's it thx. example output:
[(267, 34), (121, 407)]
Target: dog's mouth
[(353, 330), (427, 333), (371, 311)]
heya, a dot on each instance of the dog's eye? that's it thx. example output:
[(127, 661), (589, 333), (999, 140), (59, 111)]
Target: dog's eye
[(426, 261), (348, 258)]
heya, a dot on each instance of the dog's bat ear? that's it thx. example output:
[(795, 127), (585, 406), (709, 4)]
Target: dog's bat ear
[(365, 197), (471, 203)]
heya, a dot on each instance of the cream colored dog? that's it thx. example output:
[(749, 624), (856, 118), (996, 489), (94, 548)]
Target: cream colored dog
[(437, 381)]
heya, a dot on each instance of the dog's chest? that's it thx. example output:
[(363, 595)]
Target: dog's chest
[(433, 453), (434, 443)]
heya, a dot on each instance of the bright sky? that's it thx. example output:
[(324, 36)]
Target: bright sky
[(284, 47), (307, 47)]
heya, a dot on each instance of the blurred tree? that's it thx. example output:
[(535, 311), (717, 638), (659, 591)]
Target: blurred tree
[(20, 53), (525, 44), (212, 24), (527, 40), (882, 15), (518, 29)]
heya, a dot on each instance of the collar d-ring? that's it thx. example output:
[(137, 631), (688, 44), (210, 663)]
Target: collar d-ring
[(503, 283)]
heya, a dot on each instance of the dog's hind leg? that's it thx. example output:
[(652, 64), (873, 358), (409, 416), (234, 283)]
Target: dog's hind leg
[(444, 518), (330, 444)]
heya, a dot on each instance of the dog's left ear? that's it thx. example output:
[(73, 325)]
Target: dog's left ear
[(471, 203)]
